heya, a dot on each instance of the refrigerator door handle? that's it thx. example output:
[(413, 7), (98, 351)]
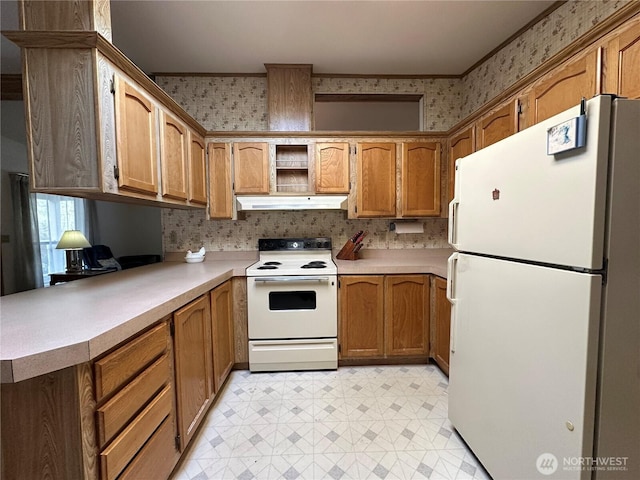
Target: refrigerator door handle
[(452, 263), (453, 232)]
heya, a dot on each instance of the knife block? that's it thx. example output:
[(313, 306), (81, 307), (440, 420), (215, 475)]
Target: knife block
[(348, 251)]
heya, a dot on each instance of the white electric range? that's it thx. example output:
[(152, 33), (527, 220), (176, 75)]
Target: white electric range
[(292, 304)]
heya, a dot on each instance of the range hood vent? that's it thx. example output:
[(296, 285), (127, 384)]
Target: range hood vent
[(291, 202)]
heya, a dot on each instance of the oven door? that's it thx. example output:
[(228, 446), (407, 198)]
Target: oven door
[(283, 307)]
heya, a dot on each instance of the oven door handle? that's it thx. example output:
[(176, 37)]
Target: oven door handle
[(291, 279)]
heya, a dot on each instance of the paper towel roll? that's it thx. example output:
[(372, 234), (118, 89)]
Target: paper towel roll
[(409, 227)]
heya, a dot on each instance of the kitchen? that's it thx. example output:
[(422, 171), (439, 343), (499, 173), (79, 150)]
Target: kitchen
[(185, 229)]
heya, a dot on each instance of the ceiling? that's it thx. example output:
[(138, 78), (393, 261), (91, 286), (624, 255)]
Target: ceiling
[(368, 37)]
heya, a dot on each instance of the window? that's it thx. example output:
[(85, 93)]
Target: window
[(55, 215)]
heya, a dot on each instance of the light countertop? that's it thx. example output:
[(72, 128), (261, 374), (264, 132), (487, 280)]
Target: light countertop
[(381, 262), (51, 328)]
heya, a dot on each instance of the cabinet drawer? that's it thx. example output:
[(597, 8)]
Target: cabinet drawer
[(158, 457), (115, 414), (117, 455), (117, 368)]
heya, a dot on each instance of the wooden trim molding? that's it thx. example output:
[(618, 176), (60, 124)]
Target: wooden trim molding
[(323, 134), (368, 97), (11, 86)]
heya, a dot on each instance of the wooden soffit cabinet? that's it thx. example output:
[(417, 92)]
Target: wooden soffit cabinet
[(289, 97)]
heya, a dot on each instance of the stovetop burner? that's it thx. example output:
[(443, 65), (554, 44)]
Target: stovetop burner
[(272, 263), (315, 264), (267, 267)]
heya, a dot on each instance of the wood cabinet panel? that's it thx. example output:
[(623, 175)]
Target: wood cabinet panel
[(60, 123), (47, 427), (376, 177), (174, 155), (136, 139), (221, 195), (332, 167), (290, 98), (443, 325), (406, 315), (197, 170), (564, 88), (119, 367), (117, 412), (420, 179), (460, 145), (622, 61), (361, 316), (120, 452), (251, 167), (193, 365), (498, 125), (222, 331)]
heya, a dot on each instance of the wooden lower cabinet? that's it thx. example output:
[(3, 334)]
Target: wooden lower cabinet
[(442, 322), (361, 316), (193, 365), (384, 316), (406, 314), (222, 333)]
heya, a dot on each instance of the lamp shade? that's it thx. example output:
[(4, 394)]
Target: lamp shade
[(72, 240)]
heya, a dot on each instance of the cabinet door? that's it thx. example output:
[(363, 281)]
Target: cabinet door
[(564, 88), (193, 365), (497, 125), (136, 139), (221, 196), (376, 169), (406, 307), (251, 167), (460, 145), (174, 154), (443, 325), (332, 167), (197, 170), (420, 180), (222, 331), (361, 316), (622, 73)]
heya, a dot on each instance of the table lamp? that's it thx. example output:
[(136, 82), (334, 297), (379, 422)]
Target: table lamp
[(73, 241)]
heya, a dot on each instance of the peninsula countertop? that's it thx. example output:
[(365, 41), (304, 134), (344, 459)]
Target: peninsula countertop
[(51, 328)]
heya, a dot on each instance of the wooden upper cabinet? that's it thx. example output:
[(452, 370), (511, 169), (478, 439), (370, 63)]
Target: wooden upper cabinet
[(564, 88), (361, 316), (420, 179), (332, 167), (174, 157), (460, 145), (290, 97), (193, 365), (498, 125), (622, 61), (442, 310), (251, 167), (220, 194), (406, 308), (136, 139), (222, 333), (197, 170), (376, 177)]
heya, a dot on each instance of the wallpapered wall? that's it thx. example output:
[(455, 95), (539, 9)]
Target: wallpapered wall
[(240, 103)]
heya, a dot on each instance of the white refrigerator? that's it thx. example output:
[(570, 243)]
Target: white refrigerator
[(545, 292)]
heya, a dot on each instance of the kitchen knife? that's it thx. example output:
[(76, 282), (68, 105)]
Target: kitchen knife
[(355, 237)]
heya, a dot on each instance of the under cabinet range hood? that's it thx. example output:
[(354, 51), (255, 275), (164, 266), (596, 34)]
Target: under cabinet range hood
[(291, 202)]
